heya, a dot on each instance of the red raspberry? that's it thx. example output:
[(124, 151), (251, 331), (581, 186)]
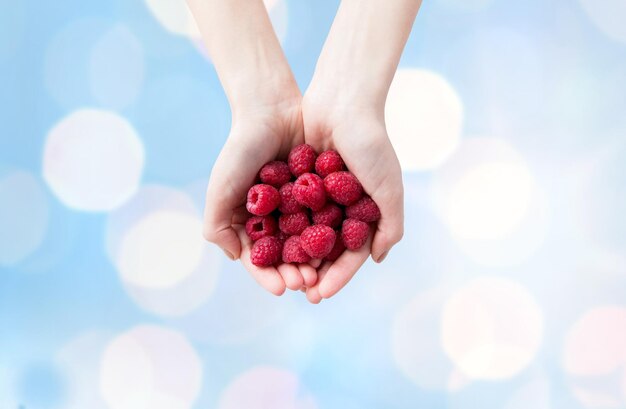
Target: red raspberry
[(329, 215), (337, 251), (301, 159), (293, 224), (288, 203), (258, 227), (293, 251), (328, 162), (364, 210), (262, 199), (275, 173), (308, 190), (266, 251), (318, 240), (354, 233), (343, 187)]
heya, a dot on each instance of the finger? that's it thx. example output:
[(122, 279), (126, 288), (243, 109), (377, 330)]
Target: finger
[(315, 263), (343, 269), (312, 293), (390, 227), (291, 275), (267, 277), (309, 274)]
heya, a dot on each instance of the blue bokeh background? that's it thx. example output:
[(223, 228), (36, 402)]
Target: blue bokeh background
[(547, 78)]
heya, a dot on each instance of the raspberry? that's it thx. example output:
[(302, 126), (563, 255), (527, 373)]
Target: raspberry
[(266, 251), (293, 251), (343, 187), (354, 233), (318, 240), (364, 210), (328, 162), (293, 224), (288, 203), (258, 227), (329, 215), (301, 159), (275, 173), (337, 251), (262, 199), (308, 190)]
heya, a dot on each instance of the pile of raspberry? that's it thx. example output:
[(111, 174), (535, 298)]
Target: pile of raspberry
[(310, 207)]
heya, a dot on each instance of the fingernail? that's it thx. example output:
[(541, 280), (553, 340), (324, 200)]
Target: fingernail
[(382, 257), (228, 254)]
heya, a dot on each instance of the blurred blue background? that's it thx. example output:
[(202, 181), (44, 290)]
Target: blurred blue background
[(508, 290)]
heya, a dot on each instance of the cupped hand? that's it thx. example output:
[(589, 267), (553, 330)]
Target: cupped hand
[(360, 136), (257, 136)]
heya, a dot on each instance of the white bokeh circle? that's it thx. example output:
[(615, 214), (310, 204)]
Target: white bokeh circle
[(175, 17), (490, 202), (491, 328), (155, 241), (608, 16), (149, 363), (596, 344), (416, 342), (116, 68), (24, 214), (93, 160), (161, 249), (424, 117), (266, 387)]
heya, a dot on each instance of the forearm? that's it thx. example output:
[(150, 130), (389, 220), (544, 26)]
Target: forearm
[(245, 52), (362, 51)]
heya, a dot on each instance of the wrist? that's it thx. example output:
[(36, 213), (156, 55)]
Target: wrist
[(267, 95)]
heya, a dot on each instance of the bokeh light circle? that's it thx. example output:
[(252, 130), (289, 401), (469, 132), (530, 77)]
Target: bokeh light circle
[(175, 17), (266, 387), (596, 344), (490, 202), (147, 363), (116, 68), (156, 243), (416, 341), (24, 213), (93, 160), (424, 117), (161, 249), (608, 16), (491, 328)]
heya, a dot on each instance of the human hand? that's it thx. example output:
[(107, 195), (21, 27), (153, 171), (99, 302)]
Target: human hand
[(258, 135), (359, 134)]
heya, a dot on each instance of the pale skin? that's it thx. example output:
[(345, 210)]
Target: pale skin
[(342, 109)]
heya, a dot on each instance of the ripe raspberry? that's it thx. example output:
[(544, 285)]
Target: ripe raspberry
[(293, 224), (318, 240), (258, 227), (343, 187), (308, 190), (328, 162), (354, 233), (262, 199), (337, 251), (301, 159), (329, 215), (275, 173), (293, 251), (288, 203), (364, 210), (266, 251)]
